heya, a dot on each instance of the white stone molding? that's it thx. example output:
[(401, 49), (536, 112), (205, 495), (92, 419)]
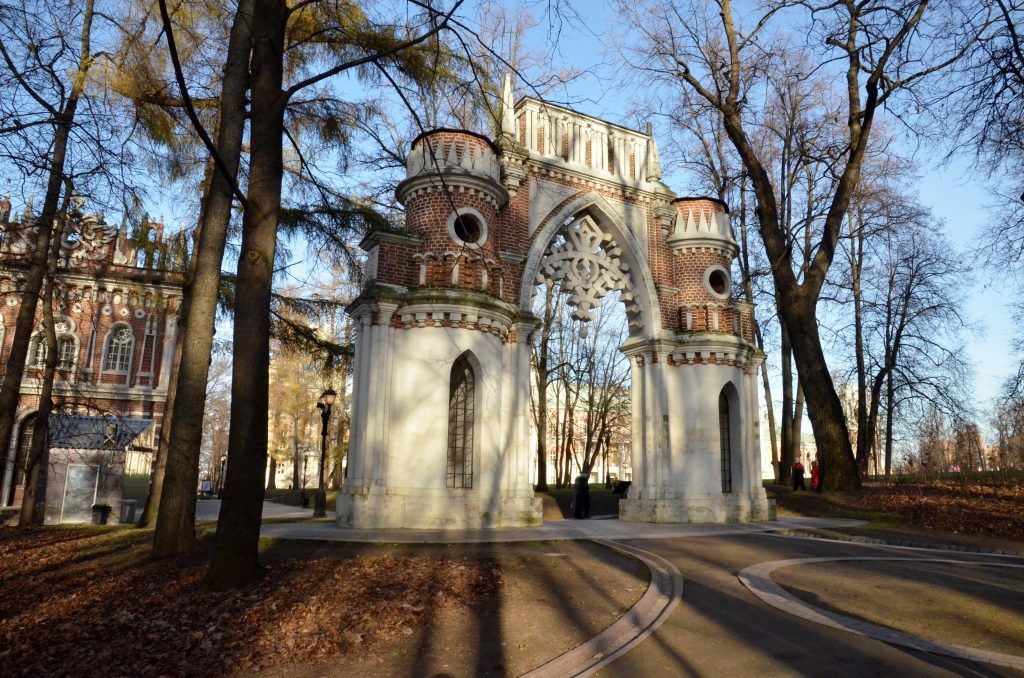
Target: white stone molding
[(728, 281), (699, 229), (433, 314), (545, 196), (461, 166)]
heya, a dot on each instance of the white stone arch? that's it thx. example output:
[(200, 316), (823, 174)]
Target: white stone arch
[(606, 217)]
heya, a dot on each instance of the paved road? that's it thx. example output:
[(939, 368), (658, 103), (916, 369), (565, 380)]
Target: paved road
[(722, 629), (208, 509), (550, 530)]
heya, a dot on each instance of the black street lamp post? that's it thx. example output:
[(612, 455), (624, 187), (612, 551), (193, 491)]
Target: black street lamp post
[(324, 405)]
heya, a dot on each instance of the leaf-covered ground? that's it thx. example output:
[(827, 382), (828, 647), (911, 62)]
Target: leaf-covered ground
[(980, 507), (85, 602)]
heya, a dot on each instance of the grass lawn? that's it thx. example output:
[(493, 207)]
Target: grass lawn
[(292, 497)]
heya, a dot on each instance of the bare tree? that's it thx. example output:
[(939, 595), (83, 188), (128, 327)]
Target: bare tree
[(47, 54), (877, 50)]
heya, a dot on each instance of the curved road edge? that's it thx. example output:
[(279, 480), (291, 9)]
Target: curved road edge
[(654, 607), (757, 579)]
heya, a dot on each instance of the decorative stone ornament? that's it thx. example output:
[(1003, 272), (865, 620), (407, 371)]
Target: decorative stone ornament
[(586, 265)]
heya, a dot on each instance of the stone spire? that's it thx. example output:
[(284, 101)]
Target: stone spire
[(508, 104), (653, 170)]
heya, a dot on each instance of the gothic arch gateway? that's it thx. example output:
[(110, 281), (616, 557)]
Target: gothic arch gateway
[(441, 388)]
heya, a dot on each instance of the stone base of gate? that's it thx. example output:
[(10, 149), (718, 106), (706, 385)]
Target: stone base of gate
[(436, 511), (716, 508)]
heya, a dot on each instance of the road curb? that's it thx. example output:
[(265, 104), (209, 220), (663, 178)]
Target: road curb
[(641, 620), (757, 579), (896, 543)]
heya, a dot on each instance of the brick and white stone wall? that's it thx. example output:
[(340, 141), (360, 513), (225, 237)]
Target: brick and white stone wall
[(431, 299)]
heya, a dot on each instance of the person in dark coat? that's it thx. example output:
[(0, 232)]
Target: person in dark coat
[(798, 476), (581, 497)]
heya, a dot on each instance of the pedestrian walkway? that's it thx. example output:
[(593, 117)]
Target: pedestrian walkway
[(208, 509), (554, 530)]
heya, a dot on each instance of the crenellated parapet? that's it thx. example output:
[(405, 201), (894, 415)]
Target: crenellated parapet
[(700, 224), (453, 161)]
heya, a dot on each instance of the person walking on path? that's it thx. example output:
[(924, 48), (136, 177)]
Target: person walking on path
[(815, 477), (581, 497), (798, 476)]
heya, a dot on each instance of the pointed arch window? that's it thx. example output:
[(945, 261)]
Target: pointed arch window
[(726, 441), (461, 416), (118, 353)]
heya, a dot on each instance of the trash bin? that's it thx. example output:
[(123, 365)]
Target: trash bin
[(304, 499), (100, 514)]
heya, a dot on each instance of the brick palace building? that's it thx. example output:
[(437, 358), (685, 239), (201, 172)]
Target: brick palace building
[(115, 300)]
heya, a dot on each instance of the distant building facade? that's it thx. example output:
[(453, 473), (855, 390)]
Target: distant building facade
[(116, 297)]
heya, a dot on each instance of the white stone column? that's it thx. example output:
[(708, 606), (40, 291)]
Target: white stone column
[(524, 448), (755, 428), (170, 337), (638, 449), (360, 393), (381, 380), (658, 422)]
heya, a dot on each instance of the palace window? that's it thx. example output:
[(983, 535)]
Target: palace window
[(37, 352), (66, 352), (461, 414), (120, 342)]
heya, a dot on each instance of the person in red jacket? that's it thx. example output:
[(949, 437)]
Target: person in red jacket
[(798, 476), (815, 475)]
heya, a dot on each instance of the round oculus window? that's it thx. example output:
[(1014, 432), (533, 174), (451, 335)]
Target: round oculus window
[(717, 281), (467, 227)]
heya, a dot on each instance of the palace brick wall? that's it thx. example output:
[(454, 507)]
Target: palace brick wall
[(107, 282)]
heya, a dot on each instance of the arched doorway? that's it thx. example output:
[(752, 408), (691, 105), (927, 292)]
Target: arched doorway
[(17, 486)]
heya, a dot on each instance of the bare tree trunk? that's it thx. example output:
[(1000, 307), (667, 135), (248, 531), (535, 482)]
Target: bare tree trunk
[(864, 439), (298, 477), (890, 410), (798, 422), (41, 425), (175, 525), (748, 291), (786, 452), (64, 120), (839, 469), (238, 527), (156, 484), (272, 476), (542, 371)]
